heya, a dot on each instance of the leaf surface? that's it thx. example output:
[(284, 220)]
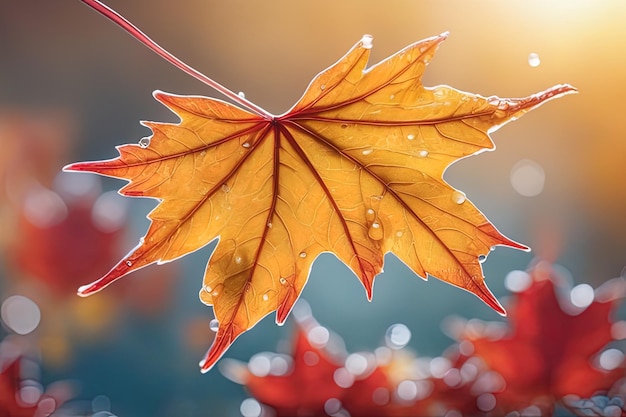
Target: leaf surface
[(354, 168)]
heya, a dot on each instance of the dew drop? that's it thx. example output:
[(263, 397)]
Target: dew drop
[(410, 136), (528, 178), (380, 396), (582, 295), (611, 359), (303, 254), (397, 336), (375, 231), (517, 281), (423, 153), (20, 314), (486, 402), (406, 390), (311, 358), (282, 281), (533, 59), (366, 41), (332, 406), (458, 197), (246, 144), (250, 408), (129, 263), (318, 336), (367, 151), (144, 142), (343, 378), (482, 258), (238, 260), (214, 325)]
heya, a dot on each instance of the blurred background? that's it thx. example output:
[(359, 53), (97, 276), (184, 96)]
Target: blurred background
[(73, 86)]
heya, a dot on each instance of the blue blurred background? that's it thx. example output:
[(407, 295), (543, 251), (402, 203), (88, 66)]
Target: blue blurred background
[(73, 86)]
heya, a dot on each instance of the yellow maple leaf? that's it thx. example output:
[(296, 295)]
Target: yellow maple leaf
[(354, 168)]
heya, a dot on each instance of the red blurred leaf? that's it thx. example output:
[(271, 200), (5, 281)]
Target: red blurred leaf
[(317, 383), (550, 353)]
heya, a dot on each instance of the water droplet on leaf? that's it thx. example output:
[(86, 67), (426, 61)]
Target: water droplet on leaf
[(410, 136), (246, 144), (423, 153), (282, 281), (458, 197), (214, 325), (144, 142), (303, 254), (482, 258), (238, 260), (129, 263), (367, 151), (375, 232)]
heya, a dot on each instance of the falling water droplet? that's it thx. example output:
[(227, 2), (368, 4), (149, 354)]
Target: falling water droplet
[(214, 325), (303, 254), (144, 142), (367, 151), (458, 197), (410, 136), (423, 153), (533, 59)]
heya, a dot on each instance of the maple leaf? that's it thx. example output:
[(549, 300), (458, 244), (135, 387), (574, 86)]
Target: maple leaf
[(21, 397), (353, 168), (549, 352), (318, 382)]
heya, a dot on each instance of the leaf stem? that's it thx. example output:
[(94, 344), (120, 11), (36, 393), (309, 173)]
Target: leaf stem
[(143, 38)]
